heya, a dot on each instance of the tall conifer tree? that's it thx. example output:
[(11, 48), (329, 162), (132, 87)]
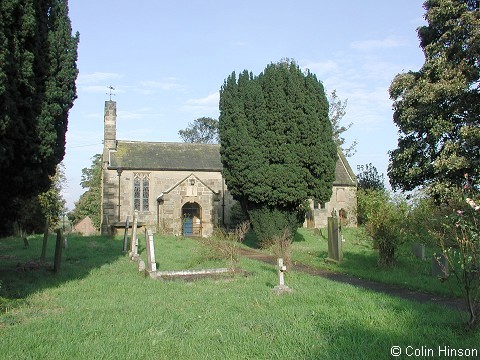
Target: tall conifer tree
[(276, 144), (37, 89)]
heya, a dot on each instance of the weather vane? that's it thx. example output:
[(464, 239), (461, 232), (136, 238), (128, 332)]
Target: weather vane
[(111, 94)]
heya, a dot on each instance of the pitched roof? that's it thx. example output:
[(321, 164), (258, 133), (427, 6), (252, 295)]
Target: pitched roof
[(141, 155), (150, 156)]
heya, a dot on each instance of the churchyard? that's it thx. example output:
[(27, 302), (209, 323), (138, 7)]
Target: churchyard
[(99, 305)]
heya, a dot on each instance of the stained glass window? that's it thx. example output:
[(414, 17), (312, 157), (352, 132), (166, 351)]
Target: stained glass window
[(141, 191)]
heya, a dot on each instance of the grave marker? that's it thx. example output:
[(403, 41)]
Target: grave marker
[(125, 236), (335, 253), (281, 288), (418, 249), (151, 268), (134, 241)]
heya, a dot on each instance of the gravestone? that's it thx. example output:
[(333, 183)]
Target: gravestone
[(439, 266), (125, 236), (281, 287), (418, 249), (151, 267), (58, 251), (133, 254), (335, 253)]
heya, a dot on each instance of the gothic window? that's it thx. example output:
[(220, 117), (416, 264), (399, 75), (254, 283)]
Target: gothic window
[(141, 191)]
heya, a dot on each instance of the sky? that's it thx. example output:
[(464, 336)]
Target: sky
[(167, 61)]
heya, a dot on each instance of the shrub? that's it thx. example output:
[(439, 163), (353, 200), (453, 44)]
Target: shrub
[(224, 245), (368, 201), (460, 242), (269, 223), (385, 225)]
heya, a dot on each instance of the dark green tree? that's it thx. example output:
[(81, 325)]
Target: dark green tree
[(90, 201), (276, 144), (37, 89), (437, 109), (203, 130)]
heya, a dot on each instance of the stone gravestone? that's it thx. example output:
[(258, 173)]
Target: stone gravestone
[(125, 236), (133, 254), (151, 267), (281, 288), (335, 253), (418, 249), (439, 266)]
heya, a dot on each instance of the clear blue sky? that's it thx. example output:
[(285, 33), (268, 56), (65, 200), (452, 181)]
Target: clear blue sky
[(168, 59)]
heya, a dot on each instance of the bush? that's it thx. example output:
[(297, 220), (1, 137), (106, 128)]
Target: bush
[(269, 223), (237, 216), (385, 225), (368, 201)]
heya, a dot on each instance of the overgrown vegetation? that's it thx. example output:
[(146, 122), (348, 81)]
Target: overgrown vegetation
[(225, 245)]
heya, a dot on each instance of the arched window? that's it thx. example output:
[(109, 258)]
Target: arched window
[(141, 191)]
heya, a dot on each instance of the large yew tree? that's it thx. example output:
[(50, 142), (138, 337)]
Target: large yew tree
[(276, 144), (37, 89), (437, 108)]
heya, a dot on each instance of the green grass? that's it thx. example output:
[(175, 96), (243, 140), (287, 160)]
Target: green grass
[(310, 247), (100, 307)]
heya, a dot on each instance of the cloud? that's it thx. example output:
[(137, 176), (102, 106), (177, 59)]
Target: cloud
[(165, 84), (206, 106), (97, 77), (388, 42)]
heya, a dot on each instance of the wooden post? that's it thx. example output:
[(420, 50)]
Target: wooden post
[(58, 251)]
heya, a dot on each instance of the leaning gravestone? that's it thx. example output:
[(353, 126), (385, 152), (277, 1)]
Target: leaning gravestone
[(335, 253), (125, 236), (133, 254), (151, 267), (418, 249), (439, 266)]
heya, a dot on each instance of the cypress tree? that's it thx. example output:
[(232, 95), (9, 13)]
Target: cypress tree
[(276, 145), (37, 89)]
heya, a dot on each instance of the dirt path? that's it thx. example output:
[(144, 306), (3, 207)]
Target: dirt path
[(393, 290)]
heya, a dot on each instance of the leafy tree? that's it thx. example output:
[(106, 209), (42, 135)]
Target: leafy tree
[(90, 201), (277, 146), (437, 109), (368, 178), (203, 130), (336, 112), (46, 208), (37, 89)]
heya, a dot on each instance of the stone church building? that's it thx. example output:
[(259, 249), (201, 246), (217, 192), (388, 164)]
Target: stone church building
[(178, 188)]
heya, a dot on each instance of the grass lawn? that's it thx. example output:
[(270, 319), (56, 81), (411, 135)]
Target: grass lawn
[(100, 307), (310, 247)]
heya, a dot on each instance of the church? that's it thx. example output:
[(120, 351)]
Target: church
[(178, 188)]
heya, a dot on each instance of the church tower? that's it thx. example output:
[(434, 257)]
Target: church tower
[(110, 125)]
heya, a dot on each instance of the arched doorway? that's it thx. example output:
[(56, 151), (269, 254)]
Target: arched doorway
[(191, 219)]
